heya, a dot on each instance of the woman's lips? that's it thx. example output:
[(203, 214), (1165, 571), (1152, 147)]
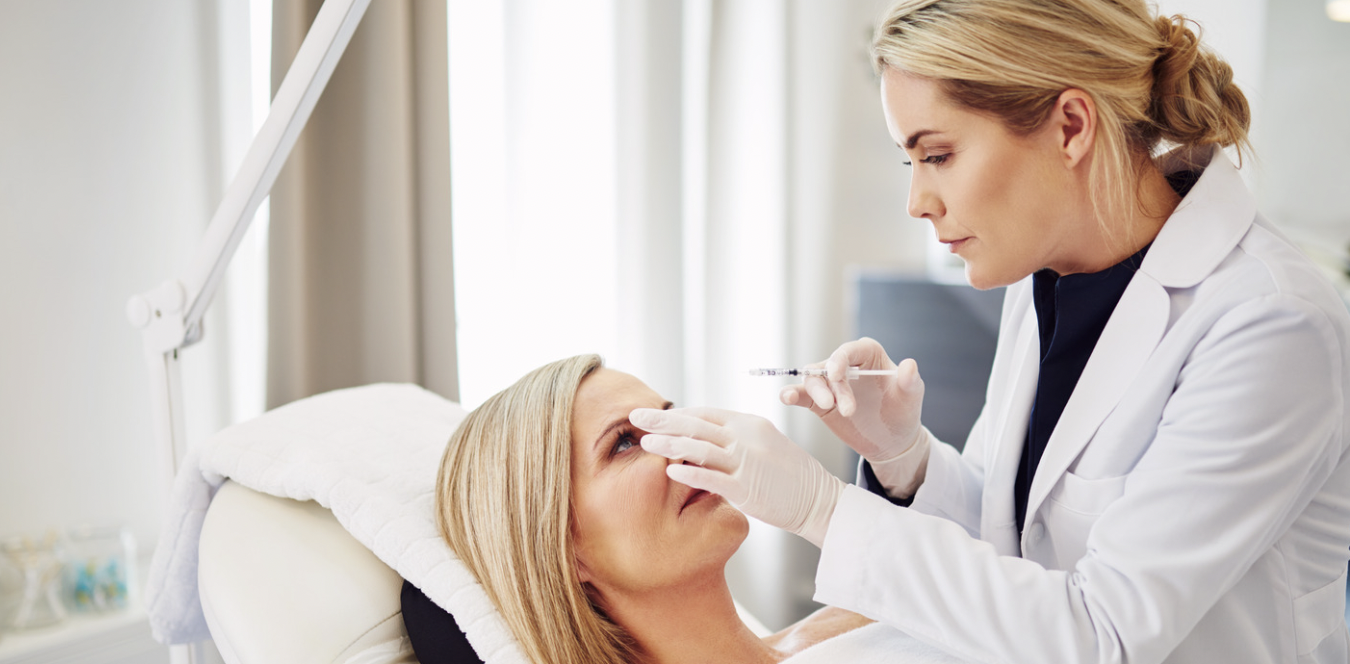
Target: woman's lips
[(954, 245), (694, 496)]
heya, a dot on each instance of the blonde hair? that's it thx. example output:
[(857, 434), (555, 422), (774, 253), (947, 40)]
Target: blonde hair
[(1151, 79), (503, 503)]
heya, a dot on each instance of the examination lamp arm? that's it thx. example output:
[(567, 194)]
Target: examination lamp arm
[(170, 315), (295, 99)]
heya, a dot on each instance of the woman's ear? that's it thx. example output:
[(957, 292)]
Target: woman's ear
[(1074, 119), (587, 582), (583, 572)]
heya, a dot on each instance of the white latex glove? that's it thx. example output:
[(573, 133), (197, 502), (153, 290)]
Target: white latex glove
[(878, 416), (746, 460)]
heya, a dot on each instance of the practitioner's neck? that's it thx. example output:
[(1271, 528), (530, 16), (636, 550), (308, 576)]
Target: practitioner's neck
[(694, 623)]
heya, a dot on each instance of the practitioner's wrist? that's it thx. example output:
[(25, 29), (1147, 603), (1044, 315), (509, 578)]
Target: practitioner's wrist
[(902, 475), (817, 525)]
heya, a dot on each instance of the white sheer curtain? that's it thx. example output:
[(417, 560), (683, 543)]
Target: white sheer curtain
[(681, 187), (533, 170)]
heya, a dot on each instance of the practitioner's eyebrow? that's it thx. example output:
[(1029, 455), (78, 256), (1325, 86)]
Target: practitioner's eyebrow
[(618, 423), (913, 139)]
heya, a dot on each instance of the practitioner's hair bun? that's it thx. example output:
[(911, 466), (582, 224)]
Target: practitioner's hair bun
[(1195, 101)]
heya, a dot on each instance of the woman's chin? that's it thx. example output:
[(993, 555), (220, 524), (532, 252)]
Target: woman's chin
[(712, 535), (984, 279), (732, 525)]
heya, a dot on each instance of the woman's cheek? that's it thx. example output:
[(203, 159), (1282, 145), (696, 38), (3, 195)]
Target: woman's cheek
[(654, 482)]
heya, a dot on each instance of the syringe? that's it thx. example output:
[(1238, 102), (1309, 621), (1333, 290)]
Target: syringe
[(853, 372)]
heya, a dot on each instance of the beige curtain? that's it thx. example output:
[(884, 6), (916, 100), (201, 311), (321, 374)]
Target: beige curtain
[(361, 283)]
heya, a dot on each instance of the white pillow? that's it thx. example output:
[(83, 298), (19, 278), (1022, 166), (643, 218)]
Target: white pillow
[(370, 455)]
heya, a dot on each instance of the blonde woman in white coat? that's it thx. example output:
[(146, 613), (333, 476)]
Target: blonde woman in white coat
[(1160, 471)]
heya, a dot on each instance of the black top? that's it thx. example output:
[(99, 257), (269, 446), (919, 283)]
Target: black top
[(436, 637)]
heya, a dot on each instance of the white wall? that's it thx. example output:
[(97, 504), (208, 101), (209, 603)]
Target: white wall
[(1293, 63), (109, 170), (1303, 136)]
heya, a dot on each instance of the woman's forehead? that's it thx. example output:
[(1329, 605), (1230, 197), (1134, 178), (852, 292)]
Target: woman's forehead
[(914, 104), (607, 395)]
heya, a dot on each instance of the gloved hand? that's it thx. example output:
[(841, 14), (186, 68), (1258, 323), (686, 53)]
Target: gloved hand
[(878, 416), (746, 460)]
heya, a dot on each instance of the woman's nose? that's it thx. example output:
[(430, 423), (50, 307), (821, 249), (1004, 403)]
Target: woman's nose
[(924, 203)]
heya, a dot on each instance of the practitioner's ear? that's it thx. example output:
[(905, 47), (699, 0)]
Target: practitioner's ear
[(1074, 119)]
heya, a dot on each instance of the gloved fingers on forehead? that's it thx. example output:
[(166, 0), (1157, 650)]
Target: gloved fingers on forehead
[(691, 422), (693, 450)]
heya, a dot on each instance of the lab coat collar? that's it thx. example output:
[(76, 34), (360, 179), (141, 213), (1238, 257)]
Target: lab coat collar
[(1204, 229), (1209, 222)]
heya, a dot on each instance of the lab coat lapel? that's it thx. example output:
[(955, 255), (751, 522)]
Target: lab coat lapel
[(999, 523), (1133, 331), (1205, 227)]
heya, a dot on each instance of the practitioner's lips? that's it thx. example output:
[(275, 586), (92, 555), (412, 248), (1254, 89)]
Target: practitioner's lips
[(954, 244)]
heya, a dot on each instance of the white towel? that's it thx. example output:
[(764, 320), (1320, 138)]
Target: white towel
[(370, 454), (873, 644)]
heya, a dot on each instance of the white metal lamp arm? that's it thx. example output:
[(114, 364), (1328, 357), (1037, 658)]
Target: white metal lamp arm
[(170, 315), (300, 90)]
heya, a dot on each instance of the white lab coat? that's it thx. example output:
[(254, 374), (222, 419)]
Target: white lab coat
[(1193, 502)]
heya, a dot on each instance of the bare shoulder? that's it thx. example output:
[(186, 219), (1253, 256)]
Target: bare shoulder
[(826, 623)]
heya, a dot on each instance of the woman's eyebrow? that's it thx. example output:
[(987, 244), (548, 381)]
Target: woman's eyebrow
[(914, 138), (605, 434)]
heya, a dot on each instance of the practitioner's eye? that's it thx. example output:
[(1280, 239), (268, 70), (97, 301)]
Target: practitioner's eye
[(935, 160)]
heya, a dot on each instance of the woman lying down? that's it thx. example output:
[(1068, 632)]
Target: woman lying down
[(593, 555)]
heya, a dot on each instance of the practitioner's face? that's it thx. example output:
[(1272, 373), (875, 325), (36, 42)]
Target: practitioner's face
[(636, 530), (1006, 204)]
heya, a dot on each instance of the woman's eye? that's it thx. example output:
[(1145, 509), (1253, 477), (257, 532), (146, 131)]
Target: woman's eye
[(935, 160), (625, 442)]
